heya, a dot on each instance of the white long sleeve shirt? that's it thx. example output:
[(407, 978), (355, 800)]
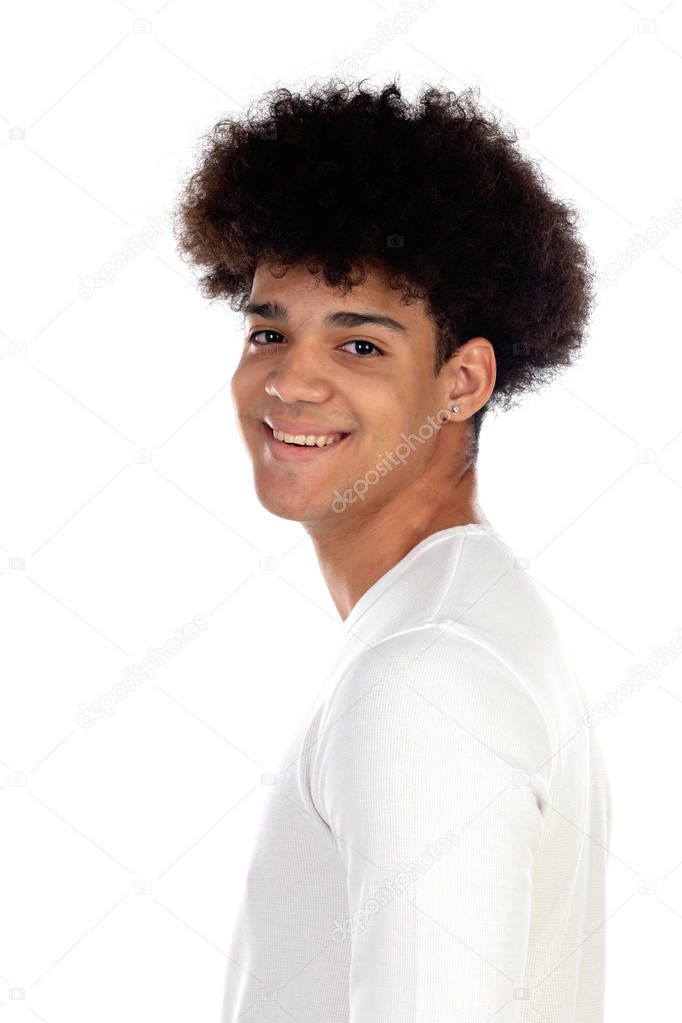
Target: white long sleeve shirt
[(434, 848)]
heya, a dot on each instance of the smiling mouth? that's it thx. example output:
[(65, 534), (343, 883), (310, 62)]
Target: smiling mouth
[(300, 446)]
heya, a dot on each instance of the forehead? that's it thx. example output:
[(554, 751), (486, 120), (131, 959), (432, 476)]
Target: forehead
[(299, 289)]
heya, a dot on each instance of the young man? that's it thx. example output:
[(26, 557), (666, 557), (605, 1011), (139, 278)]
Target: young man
[(435, 846)]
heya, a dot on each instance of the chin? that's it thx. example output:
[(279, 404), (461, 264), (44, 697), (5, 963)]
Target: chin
[(287, 505)]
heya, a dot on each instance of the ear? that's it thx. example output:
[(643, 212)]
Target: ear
[(468, 378)]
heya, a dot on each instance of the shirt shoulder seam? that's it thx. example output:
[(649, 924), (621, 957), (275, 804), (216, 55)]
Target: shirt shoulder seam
[(447, 624)]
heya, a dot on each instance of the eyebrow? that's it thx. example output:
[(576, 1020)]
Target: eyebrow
[(342, 318)]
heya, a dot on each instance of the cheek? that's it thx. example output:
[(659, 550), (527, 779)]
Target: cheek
[(243, 382), (383, 426)]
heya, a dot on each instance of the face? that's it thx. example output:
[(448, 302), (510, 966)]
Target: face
[(311, 369)]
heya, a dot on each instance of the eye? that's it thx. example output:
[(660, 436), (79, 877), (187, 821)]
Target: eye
[(359, 341), (253, 335)]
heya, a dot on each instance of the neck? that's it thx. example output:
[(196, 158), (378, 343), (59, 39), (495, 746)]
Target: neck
[(360, 551)]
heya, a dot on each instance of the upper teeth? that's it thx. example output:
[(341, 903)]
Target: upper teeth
[(310, 439)]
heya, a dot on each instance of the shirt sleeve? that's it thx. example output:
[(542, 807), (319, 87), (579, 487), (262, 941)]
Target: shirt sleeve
[(432, 771)]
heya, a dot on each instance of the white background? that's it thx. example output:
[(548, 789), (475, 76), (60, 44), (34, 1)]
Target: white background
[(124, 842)]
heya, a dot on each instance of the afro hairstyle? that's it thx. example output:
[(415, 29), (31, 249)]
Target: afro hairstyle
[(342, 178)]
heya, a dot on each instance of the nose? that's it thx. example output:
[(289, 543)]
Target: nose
[(299, 377)]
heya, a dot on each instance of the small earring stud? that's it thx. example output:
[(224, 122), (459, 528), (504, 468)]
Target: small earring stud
[(455, 408)]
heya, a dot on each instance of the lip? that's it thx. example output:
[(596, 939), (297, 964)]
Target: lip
[(298, 452), (300, 428)]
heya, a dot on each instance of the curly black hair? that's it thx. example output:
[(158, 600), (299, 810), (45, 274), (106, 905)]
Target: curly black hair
[(342, 178)]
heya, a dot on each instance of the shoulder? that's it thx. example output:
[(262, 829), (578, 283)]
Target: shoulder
[(441, 663), (436, 690)]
